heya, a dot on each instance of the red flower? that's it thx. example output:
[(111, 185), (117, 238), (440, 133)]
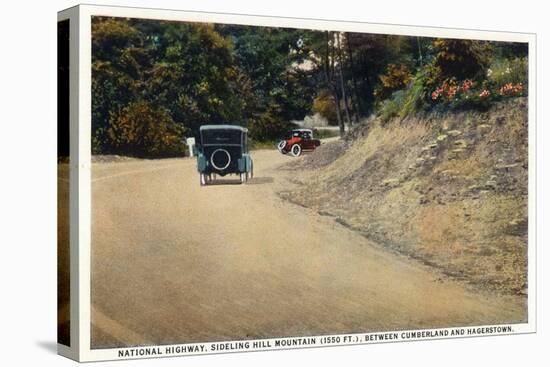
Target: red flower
[(436, 93), (484, 94), (451, 92), (510, 88), (467, 85)]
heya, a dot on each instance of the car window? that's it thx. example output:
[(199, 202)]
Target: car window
[(221, 136)]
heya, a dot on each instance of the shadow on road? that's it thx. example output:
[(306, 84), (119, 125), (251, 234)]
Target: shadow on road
[(260, 181), (253, 181), (218, 182)]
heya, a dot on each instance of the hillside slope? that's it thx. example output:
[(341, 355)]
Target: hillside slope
[(449, 190)]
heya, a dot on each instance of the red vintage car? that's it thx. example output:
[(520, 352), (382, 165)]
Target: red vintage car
[(297, 141)]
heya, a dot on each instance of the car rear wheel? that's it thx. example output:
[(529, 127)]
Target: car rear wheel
[(296, 150)]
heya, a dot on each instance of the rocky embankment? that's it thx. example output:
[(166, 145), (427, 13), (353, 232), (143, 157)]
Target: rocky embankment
[(449, 190)]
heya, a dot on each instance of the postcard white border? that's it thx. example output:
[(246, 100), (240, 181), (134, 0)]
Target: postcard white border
[(80, 121)]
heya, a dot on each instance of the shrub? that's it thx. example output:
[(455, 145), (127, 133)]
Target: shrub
[(396, 77), (99, 141), (267, 126), (505, 78), (505, 71), (325, 105), (460, 95), (391, 107), (111, 36), (406, 102), (415, 97), (460, 59), (142, 130)]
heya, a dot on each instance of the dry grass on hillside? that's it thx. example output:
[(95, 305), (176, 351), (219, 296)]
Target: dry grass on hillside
[(450, 191)]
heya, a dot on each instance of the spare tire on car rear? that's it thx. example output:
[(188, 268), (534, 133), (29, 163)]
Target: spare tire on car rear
[(220, 159)]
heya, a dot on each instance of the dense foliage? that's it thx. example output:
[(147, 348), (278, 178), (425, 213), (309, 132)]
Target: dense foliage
[(143, 130), (155, 82), (462, 74)]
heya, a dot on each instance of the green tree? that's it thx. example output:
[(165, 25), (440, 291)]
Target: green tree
[(195, 78), (325, 105), (277, 87), (459, 59), (190, 74), (118, 65), (142, 130)]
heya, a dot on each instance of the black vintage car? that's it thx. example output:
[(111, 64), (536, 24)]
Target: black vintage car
[(223, 150)]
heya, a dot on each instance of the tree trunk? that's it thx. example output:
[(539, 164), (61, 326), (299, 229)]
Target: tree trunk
[(419, 51), (329, 77), (335, 89), (353, 104), (355, 100), (342, 86), (341, 127)]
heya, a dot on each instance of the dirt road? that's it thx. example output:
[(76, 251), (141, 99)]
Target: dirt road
[(173, 262)]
